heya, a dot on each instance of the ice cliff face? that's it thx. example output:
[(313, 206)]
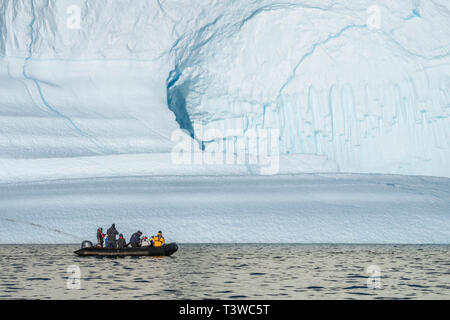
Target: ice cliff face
[(365, 84)]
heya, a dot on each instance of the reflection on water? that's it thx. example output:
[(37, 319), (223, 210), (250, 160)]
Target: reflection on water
[(231, 271)]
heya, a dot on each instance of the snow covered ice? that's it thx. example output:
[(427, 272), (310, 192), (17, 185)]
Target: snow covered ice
[(310, 208), (352, 87)]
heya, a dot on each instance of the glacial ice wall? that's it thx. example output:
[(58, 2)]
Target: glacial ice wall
[(372, 98)]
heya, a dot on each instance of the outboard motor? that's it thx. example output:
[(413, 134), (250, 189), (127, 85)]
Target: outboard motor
[(86, 244)]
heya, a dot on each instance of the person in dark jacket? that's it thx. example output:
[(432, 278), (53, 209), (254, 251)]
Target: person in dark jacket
[(100, 237), (121, 243), (112, 233), (135, 240)]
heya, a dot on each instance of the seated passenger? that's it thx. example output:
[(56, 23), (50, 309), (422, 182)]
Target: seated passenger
[(135, 240), (121, 243), (158, 240), (145, 242)]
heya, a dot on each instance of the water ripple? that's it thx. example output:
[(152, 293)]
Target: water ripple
[(231, 272)]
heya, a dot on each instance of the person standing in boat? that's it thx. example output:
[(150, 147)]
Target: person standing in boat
[(158, 240), (121, 243), (100, 237), (135, 240), (112, 233)]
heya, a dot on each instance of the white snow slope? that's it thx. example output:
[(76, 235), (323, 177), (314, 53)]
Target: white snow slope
[(361, 96), (309, 208)]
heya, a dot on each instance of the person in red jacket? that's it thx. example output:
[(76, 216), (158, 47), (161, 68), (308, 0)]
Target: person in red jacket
[(121, 243), (100, 237)]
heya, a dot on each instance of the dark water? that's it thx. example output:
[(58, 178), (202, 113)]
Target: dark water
[(232, 271)]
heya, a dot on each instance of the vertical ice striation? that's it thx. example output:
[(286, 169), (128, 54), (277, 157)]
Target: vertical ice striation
[(374, 99)]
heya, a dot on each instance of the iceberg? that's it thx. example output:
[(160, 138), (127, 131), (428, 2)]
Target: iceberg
[(92, 90)]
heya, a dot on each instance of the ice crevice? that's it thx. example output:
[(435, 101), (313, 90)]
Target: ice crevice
[(358, 93), (37, 84), (186, 51), (311, 52), (370, 100)]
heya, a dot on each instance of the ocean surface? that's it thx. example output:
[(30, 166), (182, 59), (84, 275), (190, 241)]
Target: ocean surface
[(251, 271)]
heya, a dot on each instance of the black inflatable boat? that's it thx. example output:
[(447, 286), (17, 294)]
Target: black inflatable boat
[(165, 250)]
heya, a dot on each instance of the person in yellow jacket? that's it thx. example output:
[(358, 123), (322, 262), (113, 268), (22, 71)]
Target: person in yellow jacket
[(158, 240)]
